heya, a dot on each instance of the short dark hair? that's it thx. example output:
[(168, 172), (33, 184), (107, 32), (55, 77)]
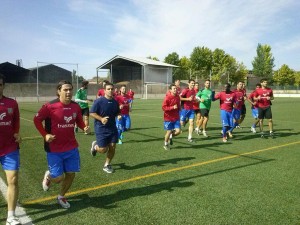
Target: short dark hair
[(258, 85), (108, 84), (2, 77), (263, 80), (171, 85), (190, 80), (84, 83)]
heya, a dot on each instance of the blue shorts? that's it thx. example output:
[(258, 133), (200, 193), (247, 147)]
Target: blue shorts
[(255, 113), (236, 114), (226, 119), (106, 137), (171, 125), (11, 161), (63, 162), (187, 114), (124, 123)]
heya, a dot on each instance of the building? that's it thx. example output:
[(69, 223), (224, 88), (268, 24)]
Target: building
[(14, 73)]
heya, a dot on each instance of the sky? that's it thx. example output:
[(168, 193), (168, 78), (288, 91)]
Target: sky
[(84, 34)]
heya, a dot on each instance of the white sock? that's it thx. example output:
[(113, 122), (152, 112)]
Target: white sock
[(190, 136), (10, 214), (166, 143), (171, 135)]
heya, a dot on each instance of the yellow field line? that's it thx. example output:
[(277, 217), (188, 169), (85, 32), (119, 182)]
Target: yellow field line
[(157, 173)]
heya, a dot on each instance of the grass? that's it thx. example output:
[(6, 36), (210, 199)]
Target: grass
[(248, 180)]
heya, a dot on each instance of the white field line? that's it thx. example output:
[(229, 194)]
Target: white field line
[(20, 211)]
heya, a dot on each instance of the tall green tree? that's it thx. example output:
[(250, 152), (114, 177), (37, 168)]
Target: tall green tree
[(263, 63), (201, 59), (284, 76), (297, 79), (173, 58), (153, 58), (184, 71)]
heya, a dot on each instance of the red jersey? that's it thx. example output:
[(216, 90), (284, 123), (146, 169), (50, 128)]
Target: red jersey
[(123, 100), (226, 100), (186, 93), (240, 101), (130, 94), (171, 114), (60, 121), (251, 97), (178, 90), (264, 93), (101, 92), (9, 125), (195, 102)]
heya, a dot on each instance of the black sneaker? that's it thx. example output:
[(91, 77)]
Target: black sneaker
[(93, 150), (171, 141), (262, 135)]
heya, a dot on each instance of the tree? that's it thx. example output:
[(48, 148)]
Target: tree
[(201, 59), (184, 71), (297, 79), (284, 76), (173, 59), (153, 58), (263, 63)]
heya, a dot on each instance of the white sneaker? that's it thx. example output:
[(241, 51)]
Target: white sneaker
[(204, 134), (108, 169), (63, 202), (13, 220), (46, 181), (166, 147), (93, 150), (253, 130)]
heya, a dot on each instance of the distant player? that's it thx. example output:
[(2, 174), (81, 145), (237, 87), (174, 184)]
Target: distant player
[(254, 108), (197, 110), (124, 123), (237, 110), (187, 96), (227, 100), (171, 108), (205, 97), (101, 91), (130, 93), (264, 96), (243, 110)]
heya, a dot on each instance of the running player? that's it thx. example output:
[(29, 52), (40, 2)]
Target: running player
[(264, 96), (205, 97), (130, 93), (227, 101), (187, 96), (9, 150), (125, 123), (60, 116), (254, 109), (104, 111), (197, 110), (171, 108), (101, 91)]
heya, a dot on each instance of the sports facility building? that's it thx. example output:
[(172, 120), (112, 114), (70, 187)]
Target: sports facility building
[(143, 75)]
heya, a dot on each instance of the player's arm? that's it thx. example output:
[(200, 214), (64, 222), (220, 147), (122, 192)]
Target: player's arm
[(16, 124), (38, 122)]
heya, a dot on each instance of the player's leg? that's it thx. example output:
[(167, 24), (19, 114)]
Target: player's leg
[(191, 117)]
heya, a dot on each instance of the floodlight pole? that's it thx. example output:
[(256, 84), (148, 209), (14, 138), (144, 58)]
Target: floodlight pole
[(77, 76)]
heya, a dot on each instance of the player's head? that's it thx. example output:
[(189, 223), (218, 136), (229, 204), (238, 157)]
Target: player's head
[(104, 82), (191, 83), (109, 89), (227, 87), (258, 85), (264, 82), (84, 84), (177, 82), (64, 90), (196, 85), (172, 89), (123, 89), (239, 85), (2, 83), (207, 83)]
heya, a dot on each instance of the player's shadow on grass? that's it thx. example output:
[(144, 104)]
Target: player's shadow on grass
[(142, 128), (159, 163), (114, 200)]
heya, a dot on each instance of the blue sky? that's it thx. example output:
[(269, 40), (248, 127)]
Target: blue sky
[(90, 32)]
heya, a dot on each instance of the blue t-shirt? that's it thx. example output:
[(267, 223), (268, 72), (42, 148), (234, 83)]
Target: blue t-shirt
[(106, 107)]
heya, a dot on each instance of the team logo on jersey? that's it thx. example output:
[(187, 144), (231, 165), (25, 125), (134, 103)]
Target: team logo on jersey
[(228, 99), (265, 94), (74, 115), (67, 119), (2, 115), (10, 110)]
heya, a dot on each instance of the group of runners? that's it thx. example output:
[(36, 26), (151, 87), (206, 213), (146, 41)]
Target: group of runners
[(192, 106)]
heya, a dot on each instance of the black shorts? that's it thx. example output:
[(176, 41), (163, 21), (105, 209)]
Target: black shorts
[(243, 110), (265, 113), (197, 111), (204, 112), (85, 112)]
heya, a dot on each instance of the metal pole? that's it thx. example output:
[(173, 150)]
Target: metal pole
[(77, 76), (37, 80)]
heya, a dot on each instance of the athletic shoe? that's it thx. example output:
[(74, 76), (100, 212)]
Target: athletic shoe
[(262, 135), (108, 169), (253, 130), (238, 126), (120, 142), (197, 131), (46, 181), (121, 136), (63, 202), (166, 147), (191, 140), (224, 139), (204, 134), (230, 134), (93, 150), (171, 141), (271, 135), (222, 132), (86, 133), (13, 220)]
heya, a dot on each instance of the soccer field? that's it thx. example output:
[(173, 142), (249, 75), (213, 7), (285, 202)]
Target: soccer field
[(247, 180)]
